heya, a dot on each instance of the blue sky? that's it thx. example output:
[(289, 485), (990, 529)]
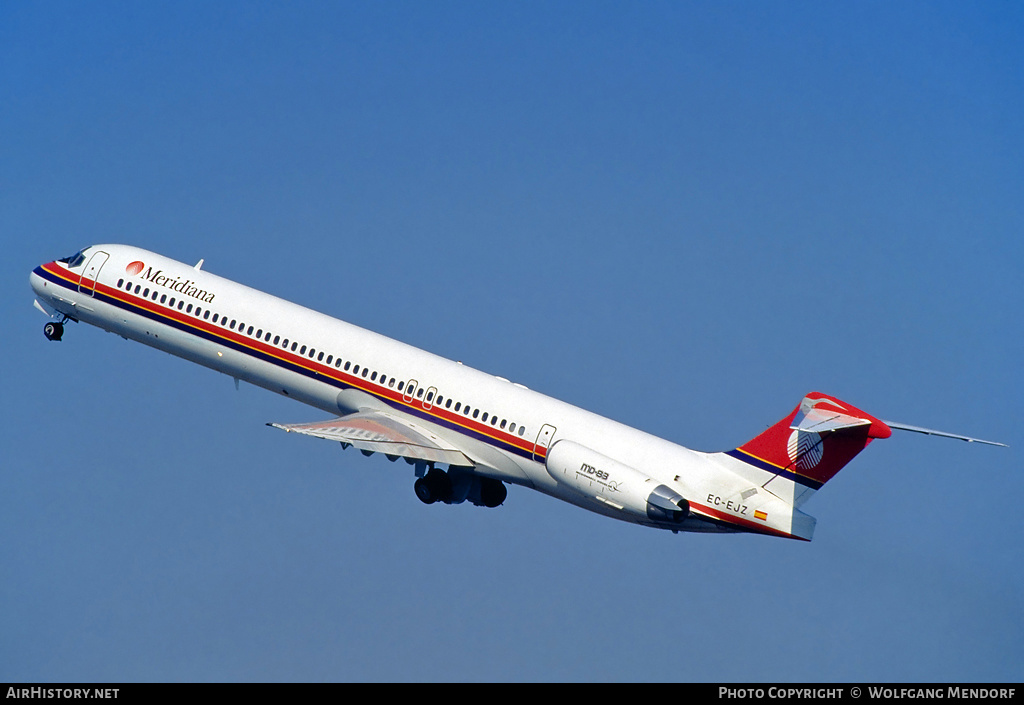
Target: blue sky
[(680, 215)]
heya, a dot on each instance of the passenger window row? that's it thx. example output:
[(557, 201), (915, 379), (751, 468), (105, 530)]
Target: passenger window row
[(310, 352)]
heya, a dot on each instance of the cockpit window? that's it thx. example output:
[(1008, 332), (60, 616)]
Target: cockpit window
[(74, 260)]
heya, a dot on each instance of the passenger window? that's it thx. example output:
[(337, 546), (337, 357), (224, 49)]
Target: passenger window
[(294, 346), (259, 333), (476, 413), (181, 305), (277, 340), (337, 363), (430, 396), (145, 292), (503, 424), (348, 365), (391, 382), (232, 326), (448, 403), (484, 419), (215, 318), (198, 311), (400, 385), (365, 371), (302, 350), (189, 309), (163, 299), (320, 357), (355, 370), (249, 332), (120, 283), (137, 288), (419, 393), (373, 377), (511, 428), (206, 314)]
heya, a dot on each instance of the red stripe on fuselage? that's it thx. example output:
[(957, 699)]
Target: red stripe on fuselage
[(744, 523), (286, 356)]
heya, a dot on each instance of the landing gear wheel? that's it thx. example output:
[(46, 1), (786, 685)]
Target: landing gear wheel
[(53, 330), (435, 487), (422, 489), (492, 492)]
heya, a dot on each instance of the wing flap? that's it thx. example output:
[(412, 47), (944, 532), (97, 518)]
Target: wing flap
[(380, 432)]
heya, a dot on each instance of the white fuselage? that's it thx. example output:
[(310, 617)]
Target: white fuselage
[(505, 428)]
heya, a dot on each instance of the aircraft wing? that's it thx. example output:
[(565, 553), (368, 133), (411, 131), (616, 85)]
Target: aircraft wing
[(374, 431)]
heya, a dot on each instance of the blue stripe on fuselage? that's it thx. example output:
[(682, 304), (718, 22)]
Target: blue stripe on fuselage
[(774, 469), (328, 377)]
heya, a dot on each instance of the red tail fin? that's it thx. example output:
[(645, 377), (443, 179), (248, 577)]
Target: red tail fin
[(814, 442)]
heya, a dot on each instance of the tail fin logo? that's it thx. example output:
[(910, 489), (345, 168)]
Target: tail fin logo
[(805, 449)]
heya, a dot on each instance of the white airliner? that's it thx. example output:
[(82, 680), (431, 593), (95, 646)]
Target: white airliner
[(388, 397)]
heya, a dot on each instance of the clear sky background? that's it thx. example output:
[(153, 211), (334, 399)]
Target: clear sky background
[(681, 215)]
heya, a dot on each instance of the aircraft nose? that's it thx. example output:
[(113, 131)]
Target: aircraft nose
[(39, 283), (36, 280)]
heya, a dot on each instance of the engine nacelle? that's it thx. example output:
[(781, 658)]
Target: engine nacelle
[(599, 477)]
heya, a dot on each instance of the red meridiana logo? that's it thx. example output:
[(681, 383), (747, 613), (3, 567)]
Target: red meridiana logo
[(135, 267)]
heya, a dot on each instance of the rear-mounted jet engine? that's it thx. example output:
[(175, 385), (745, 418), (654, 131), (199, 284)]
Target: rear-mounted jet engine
[(619, 486)]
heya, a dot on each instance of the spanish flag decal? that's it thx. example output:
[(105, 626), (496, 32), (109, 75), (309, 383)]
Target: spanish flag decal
[(758, 514)]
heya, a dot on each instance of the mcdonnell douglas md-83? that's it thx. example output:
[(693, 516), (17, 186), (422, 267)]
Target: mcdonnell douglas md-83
[(466, 432)]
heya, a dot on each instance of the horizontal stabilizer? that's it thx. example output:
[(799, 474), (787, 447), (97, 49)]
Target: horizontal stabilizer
[(933, 432), (816, 418), (380, 432)]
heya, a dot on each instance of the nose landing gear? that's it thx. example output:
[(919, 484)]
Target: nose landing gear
[(54, 330)]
